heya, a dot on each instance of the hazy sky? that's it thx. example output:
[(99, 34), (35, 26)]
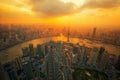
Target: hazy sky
[(61, 12)]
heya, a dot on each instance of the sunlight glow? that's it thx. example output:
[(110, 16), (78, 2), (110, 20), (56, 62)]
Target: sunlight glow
[(76, 2), (15, 8)]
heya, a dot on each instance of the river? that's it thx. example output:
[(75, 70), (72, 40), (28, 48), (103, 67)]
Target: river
[(15, 51)]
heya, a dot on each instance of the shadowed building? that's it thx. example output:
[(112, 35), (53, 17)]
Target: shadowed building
[(94, 33)]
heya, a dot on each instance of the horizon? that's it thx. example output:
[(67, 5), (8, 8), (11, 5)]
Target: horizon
[(82, 13)]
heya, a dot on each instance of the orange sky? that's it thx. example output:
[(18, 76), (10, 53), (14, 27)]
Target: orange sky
[(100, 13)]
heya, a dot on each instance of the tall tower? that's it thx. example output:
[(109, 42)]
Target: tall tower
[(94, 57), (3, 73), (68, 35), (83, 57), (59, 50), (9, 69), (94, 33), (31, 49), (27, 66), (39, 51)]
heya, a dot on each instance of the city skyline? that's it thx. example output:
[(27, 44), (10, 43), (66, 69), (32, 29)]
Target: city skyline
[(59, 39), (81, 13)]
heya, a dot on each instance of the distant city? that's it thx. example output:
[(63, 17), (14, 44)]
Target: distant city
[(55, 55), (59, 39), (12, 34)]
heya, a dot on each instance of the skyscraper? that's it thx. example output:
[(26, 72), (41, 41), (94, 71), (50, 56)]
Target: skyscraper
[(68, 35), (10, 71), (118, 64), (101, 51), (94, 57), (28, 70), (25, 51), (39, 51), (94, 33), (59, 50), (18, 63), (103, 62), (3, 73), (83, 57), (31, 49)]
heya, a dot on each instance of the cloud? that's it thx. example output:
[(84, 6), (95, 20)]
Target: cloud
[(54, 8), (102, 4), (50, 8)]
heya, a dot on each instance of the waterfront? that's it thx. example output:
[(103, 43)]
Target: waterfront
[(15, 51)]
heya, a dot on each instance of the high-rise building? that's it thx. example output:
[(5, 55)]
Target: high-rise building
[(25, 51), (101, 51), (59, 51), (10, 71), (39, 51), (3, 73), (75, 49), (28, 70), (103, 62), (94, 57), (46, 49), (68, 35), (94, 33), (118, 63), (31, 49), (83, 56), (18, 62)]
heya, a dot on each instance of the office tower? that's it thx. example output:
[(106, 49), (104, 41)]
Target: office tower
[(3, 73), (75, 49), (110, 71), (25, 51), (35, 52), (31, 49), (39, 51), (18, 62), (83, 56), (117, 65), (79, 54), (101, 51), (68, 35), (94, 33), (46, 49), (112, 59), (103, 62), (10, 71), (76, 53), (28, 70), (94, 57), (59, 51)]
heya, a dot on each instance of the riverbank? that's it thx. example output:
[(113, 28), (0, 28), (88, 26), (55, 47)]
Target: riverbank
[(11, 52)]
